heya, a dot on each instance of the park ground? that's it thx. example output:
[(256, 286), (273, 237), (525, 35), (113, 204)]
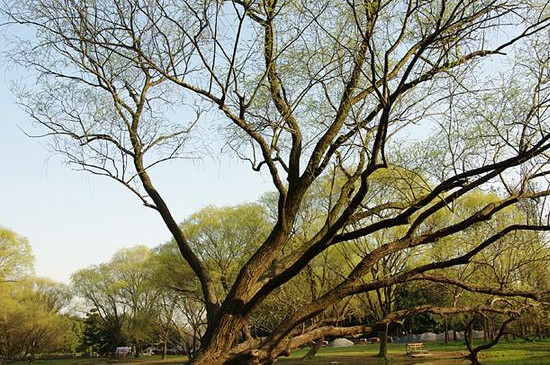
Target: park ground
[(509, 353)]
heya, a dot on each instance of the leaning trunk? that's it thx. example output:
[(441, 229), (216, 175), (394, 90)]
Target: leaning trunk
[(314, 348), (473, 356)]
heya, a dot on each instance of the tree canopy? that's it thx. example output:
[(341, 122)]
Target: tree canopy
[(30, 308), (16, 259)]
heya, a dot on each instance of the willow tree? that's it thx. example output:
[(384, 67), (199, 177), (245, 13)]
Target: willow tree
[(301, 90), (16, 258)]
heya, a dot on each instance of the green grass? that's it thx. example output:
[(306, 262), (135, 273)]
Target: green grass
[(505, 353), (144, 360), (515, 352), (519, 352)]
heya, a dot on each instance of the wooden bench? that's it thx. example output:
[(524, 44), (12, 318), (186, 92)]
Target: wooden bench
[(415, 348)]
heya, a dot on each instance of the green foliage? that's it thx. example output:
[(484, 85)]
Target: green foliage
[(30, 322), (411, 295), (16, 259), (226, 237), (30, 308), (122, 295), (97, 336)]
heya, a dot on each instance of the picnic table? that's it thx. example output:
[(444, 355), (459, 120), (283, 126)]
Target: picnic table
[(415, 348)]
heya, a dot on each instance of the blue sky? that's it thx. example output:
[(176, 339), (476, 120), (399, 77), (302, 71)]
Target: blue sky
[(73, 219)]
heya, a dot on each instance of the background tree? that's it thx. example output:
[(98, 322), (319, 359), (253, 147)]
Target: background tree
[(224, 238), (96, 336), (106, 316), (31, 319), (122, 298), (16, 259), (181, 300)]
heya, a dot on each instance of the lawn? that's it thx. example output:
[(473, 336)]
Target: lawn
[(144, 360), (509, 353), (515, 352)]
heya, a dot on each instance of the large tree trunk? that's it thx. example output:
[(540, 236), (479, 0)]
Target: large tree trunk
[(217, 343)]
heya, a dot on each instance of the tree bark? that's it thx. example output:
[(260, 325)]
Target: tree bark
[(474, 351), (446, 330), (473, 358), (383, 335), (469, 335), (164, 347), (314, 348)]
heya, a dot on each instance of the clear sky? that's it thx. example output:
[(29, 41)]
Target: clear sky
[(73, 219)]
